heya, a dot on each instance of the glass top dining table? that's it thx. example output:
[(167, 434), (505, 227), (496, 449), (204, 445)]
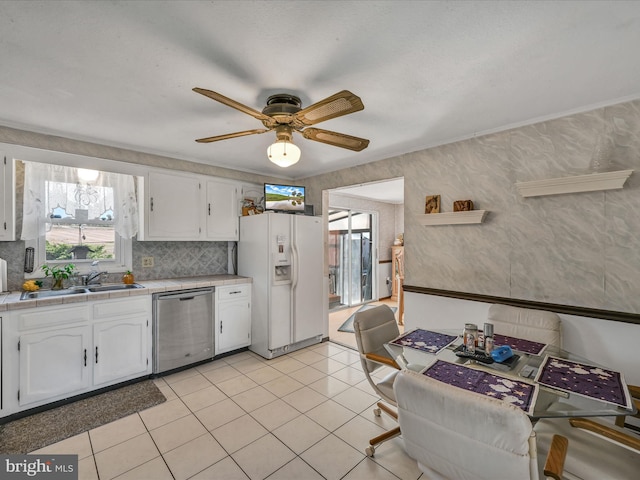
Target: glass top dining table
[(556, 392)]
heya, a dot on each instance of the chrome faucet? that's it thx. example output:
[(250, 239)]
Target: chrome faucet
[(95, 276)]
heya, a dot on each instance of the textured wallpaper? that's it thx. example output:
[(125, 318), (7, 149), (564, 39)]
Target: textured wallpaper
[(575, 249)]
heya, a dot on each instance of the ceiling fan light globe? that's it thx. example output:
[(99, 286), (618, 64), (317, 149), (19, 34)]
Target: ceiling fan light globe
[(283, 153)]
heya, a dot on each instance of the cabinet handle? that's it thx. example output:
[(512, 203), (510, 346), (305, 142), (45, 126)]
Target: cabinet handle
[(85, 357), (235, 292), (220, 327), (209, 209), (151, 206), (96, 354)]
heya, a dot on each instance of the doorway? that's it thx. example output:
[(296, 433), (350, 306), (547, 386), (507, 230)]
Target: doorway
[(352, 257)]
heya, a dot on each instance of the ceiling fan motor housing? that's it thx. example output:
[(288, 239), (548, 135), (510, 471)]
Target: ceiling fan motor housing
[(282, 104)]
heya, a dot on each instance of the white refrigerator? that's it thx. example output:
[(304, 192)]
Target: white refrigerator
[(284, 255)]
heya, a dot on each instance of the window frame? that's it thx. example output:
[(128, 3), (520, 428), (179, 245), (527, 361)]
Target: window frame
[(124, 262)]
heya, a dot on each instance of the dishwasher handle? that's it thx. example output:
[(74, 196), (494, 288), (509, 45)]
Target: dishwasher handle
[(183, 296)]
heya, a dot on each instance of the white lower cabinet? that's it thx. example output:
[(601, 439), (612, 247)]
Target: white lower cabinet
[(232, 318), (120, 349), (54, 363), (62, 351)]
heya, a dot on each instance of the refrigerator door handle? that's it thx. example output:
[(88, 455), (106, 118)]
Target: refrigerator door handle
[(294, 275)]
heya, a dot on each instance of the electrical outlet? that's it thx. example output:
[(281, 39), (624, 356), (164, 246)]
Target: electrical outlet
[(147, 261)]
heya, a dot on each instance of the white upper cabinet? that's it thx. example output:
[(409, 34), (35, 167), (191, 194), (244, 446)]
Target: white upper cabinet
[(7, 199), (222, 211), (173, 207), (185, 207)]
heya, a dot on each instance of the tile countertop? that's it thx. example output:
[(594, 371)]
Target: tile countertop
[(11, 300)]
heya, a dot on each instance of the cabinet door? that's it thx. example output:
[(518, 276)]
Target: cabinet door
[(120, 349), (54, 363), (173, 207), (7, 209), (222, 211), (233, 317), (234, 328)]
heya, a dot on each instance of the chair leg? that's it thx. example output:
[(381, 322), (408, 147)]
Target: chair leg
[(383, 437), (392, 413)]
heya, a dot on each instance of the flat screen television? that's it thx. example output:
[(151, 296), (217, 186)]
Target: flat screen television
[(283, 198)]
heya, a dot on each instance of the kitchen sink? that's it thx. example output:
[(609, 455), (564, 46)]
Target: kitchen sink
[(77, 290), (111, 288), (51, 293)]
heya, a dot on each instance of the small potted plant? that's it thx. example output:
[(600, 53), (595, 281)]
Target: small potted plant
[(59, 273), (128, 278)]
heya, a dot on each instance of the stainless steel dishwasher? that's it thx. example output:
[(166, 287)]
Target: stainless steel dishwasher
[(182, 328)]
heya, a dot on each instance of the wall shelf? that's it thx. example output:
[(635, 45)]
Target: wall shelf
[(453, 218), (591, 182)]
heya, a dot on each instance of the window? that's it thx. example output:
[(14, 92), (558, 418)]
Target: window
[(75, 215)]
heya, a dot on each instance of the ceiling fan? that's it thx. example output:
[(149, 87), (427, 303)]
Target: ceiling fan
[(284, 114)]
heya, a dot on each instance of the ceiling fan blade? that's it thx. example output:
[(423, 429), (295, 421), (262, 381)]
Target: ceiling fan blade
[(232, 135), (342, 103), (336, 139), (267, 120)]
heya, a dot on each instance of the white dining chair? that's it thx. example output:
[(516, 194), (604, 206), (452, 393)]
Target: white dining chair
[(373, 328), (536, 325), (460, 435), (597, 450)]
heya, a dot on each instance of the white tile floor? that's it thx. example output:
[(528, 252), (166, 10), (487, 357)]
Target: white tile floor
[(306, 415)]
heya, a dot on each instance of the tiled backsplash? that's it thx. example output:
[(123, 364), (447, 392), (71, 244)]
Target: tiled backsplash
[(179, 259), (171, 260)]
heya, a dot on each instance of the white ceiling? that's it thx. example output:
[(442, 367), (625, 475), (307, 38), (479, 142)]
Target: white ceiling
[(388, 191), (429, 72)]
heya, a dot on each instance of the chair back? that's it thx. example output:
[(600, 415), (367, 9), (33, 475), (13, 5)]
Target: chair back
[(373, 328), (537, 325), (460, 435)]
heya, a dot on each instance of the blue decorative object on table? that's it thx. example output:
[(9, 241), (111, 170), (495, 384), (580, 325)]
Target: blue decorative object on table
[(502, 353)]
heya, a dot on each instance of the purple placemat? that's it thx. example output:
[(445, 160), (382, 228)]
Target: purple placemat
[(583, 379), (424, 340), (520, 344), (521, 394)]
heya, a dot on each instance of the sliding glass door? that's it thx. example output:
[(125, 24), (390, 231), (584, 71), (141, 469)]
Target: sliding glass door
[(352, 257)]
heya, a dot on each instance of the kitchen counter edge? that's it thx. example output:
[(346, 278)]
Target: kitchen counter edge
[(11, 300)]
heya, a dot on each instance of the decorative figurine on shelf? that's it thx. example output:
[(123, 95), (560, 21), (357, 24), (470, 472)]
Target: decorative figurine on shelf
[(462, 205), (432, 204), (399, 241)]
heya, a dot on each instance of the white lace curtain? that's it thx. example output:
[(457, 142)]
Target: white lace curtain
[(75, 193)]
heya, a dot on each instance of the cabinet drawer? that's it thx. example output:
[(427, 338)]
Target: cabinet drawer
[(121, 306), (52, 316), (233, 292)]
